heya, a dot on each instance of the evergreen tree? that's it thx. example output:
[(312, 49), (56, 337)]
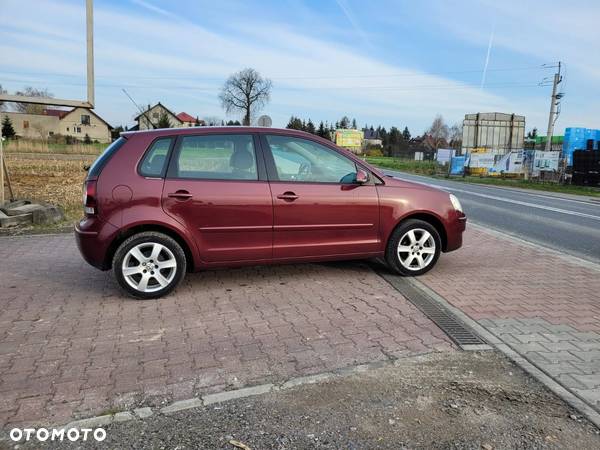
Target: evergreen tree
[(394, 137), (321, 130), (406, 134), (383, 136), (345, 122), (163, 121), (197, 123), (310, 127), (86, 139), (7, 128), (354, 126), (295, 123)]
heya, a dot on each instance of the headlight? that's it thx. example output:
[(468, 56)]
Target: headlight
[(456, 203)]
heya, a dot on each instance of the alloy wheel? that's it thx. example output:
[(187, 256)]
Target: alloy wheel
[(416, 249), (149, 267)]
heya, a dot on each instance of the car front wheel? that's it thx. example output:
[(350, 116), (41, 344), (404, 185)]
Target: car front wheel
[(414, 248), (149, 265)]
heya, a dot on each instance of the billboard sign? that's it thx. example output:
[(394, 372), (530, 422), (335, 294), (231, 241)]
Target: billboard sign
[(350, 139), (444, 155), (545, 161), (512, 162), (479, 160)]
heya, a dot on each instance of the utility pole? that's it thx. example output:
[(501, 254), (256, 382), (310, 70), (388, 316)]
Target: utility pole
[(556, 96)]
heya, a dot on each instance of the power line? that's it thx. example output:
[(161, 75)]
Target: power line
[(308, 77), (453, 86)]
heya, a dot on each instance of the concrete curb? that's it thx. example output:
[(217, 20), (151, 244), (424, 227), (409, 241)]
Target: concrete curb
[(561, 391), (225, 396)]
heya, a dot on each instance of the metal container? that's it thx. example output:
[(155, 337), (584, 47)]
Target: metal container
[(497, 132)]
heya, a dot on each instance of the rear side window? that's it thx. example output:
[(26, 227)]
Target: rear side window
[(216, 157), (155, 159), (101, 161)]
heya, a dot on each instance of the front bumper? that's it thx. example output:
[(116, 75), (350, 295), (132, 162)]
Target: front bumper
[(93, 237), (454, 231)]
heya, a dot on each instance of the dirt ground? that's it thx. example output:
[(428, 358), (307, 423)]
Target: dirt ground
[(454, 400), (59, 182)]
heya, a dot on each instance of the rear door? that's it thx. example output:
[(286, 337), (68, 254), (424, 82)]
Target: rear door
[(216, 186), (319, 209)]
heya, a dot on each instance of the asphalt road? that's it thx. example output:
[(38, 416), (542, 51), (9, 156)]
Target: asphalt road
[(563, 222)]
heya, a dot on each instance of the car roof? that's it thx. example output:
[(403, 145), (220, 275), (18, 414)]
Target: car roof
[(219, 129)]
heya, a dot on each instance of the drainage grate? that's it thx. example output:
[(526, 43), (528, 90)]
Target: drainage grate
[(443, 318)]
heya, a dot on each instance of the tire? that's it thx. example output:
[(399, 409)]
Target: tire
[(156, 264), (420, 256)]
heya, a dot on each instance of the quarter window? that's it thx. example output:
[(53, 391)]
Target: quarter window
[(302, 160), (154, 161), (216, 157)]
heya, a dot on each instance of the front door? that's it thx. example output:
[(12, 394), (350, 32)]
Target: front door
[(319, 209), (216, 186)]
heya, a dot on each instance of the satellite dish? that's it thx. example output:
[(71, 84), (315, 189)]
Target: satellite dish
[(264, 121)]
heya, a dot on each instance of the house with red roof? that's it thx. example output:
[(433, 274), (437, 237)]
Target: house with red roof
[(150, 118), (190, 121)]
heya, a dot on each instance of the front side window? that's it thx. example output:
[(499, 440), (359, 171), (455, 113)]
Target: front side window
[(302, 160), (154, 161), (216, 157)]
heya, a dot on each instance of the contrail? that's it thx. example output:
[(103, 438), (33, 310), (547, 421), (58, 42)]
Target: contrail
[(487, 58), (346, 10)]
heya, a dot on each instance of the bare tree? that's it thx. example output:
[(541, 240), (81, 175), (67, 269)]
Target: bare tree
[(438, 132), (456, 135), (247, 92), (32, 108)]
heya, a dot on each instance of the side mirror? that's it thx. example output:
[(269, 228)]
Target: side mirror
[(362, 176)]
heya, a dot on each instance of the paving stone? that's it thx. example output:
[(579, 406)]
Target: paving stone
[(589, 381), (553, 323), (235, 327)]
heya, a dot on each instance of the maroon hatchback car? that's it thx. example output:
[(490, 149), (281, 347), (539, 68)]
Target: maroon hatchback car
[(160, 203)]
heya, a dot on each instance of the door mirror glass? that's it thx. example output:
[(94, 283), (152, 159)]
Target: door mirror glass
[(362, 176)]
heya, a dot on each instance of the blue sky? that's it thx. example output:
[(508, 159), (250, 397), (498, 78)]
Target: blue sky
[(382, 62)]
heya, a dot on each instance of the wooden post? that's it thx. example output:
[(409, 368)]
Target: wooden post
[(10, 189)]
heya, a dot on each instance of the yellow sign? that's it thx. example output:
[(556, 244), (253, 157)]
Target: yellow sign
[(351, 139)]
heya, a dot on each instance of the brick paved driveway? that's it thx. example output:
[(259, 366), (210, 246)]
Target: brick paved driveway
[(546, 307), (71, 345)]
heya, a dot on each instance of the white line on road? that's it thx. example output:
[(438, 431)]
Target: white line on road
[(518, 202), (509, 200), (506, 189)]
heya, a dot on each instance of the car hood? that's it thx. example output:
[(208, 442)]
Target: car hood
[(397, 182)]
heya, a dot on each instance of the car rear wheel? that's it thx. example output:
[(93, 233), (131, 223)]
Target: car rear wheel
[(414, 248), (149, 265)]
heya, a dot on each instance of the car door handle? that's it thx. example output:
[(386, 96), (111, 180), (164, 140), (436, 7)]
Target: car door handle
[(182, 195), (287, 196)]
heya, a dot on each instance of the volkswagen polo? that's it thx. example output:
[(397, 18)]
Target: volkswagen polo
[(165, 202)]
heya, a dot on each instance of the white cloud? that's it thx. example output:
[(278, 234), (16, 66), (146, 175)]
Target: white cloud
[(160, 56)]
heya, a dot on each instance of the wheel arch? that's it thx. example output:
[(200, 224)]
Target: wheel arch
[(160, 228), (431, 219)]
